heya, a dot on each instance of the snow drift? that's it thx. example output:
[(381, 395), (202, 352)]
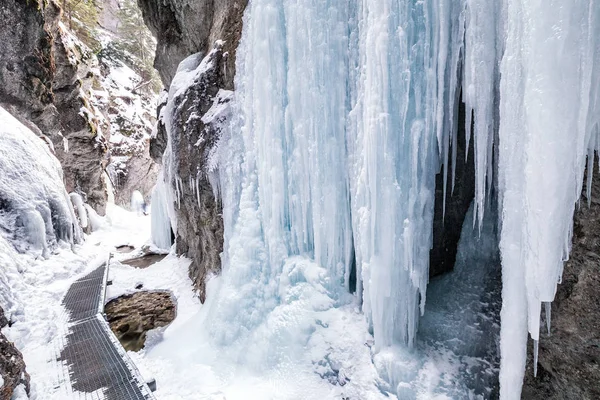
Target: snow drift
[(35, 209)]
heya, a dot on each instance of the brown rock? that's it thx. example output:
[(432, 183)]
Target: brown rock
[(183, 28), (42, 80), (131, 316), (12, 365)]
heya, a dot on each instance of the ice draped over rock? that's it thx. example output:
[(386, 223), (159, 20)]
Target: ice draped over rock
[(344, 112), (549, 116), (34, 205)]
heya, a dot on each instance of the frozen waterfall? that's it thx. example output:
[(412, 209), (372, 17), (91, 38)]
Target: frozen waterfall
[(344, 112), (549, 116)]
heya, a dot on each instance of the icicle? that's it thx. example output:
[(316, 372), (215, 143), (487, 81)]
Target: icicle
[(535, 356), (198, 188), (159, 215), (548, 307), (590, 175)]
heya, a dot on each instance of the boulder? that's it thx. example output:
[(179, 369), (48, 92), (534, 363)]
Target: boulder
[(131, 316)]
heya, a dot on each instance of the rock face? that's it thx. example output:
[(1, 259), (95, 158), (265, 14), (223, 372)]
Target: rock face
[(183, 28), (132, 316), (569, 359), (199, 230), (44, 78), (12, 366)]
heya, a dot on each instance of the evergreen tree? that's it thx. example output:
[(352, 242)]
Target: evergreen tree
[(81, 16), (137, 43)]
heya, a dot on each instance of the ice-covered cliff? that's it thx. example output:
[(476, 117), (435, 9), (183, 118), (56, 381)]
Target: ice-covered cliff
[(36, 215), (343, 114)]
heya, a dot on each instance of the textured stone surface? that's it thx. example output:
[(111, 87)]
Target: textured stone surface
[(42, 79), (199, 232), (12, 365), (142, 171), (132, 316), (569, 359), (184, 27)]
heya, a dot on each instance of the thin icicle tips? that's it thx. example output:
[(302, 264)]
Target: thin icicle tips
[(536, 349), (548, 308)]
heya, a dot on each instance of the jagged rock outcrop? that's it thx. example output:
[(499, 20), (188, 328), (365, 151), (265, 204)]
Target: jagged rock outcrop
[(192, 137), (12, 365), (183, 28), (44, 77), (131, 316), (569, 358)]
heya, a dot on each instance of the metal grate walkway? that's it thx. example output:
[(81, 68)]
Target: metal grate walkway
[(96, 361)]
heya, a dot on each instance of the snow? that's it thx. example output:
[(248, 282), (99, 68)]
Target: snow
[(32, 289), (35, 211), (316, 348)]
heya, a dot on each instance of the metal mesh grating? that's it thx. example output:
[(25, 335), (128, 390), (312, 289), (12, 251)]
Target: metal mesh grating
[(95, 361)]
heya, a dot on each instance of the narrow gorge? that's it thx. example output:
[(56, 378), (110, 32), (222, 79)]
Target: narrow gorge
[(357, 199)]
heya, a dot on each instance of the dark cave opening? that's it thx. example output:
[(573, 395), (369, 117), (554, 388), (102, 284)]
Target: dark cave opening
[(447, 228), (462, 311)]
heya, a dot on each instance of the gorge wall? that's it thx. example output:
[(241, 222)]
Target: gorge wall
[(44, 79), (184, 28)]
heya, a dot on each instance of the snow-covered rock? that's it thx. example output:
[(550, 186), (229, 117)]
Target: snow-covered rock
[(35, 209), (45, 78)]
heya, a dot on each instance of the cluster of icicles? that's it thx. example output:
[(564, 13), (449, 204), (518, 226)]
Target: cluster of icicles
[(345, 112)]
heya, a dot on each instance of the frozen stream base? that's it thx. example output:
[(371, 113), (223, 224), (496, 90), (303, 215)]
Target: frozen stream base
[(457, 354)]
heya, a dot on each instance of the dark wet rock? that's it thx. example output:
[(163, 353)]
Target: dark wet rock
[(141, 172), (158, 143), (144, 261), (125, 248), (199, 232), (569, 359), (12, 365), (132, 316), (42, 78), (447, 228)]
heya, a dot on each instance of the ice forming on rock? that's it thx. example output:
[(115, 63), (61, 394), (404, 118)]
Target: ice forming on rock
[(159, 214), (345, 112), (34, 204)]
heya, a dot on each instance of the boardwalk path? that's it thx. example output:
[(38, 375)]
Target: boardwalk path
[(98, 367)]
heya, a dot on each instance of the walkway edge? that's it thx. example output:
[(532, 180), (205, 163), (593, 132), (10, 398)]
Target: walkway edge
[(135, 372)]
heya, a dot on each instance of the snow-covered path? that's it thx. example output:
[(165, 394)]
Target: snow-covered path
[(37, 287), (96, 361)]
